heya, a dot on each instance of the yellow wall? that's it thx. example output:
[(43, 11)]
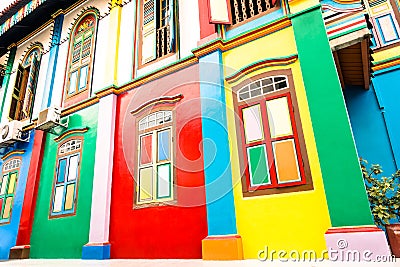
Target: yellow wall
[(285, 221)]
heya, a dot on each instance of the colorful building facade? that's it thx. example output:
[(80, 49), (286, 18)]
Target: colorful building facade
[(188, 129)]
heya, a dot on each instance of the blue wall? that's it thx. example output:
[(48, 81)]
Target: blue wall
[(372, 115), (8, 232)]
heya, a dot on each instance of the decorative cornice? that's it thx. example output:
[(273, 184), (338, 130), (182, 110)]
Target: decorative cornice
[(12, 153), (69, 132), (81, 105), (384, 64), (158, 100), (222, 45), (217, 44), (269, 62)]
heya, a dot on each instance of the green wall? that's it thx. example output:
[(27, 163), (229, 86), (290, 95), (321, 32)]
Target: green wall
[(64, 237), (344, 186)]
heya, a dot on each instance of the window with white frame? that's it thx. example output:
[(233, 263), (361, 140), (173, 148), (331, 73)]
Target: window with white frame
[(155, 158), (66, 178), (158, 33)]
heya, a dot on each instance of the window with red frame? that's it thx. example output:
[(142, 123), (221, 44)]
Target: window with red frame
[(271, 148)]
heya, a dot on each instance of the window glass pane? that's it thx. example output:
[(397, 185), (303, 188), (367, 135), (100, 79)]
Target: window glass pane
[(7, 208), (73, 168), (72, 83), (258, 167), (4, 185), (145, 149), (253, 127), (1, 206), (61, 170), (146, 184), (164, 181), (83, 78), (387, 28), (286, 161), (58, 198), (163, 145), (279, 117), (69, 199), (13, 179)]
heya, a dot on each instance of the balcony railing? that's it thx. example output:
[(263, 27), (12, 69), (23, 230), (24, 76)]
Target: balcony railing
[(245, 9), (163, 41)]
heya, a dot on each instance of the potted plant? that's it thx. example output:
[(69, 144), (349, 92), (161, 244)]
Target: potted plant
[(384, 198)]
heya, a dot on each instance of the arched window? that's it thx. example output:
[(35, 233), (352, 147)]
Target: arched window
[(275, 160), (8, 185), (66, 178), (155, 161), (81, 57), (23, 94)]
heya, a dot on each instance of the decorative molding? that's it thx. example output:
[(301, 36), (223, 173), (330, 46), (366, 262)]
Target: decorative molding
[(69, 132), (384, 64), (269, 62), (156, 101), (12, 153), (217, 44)]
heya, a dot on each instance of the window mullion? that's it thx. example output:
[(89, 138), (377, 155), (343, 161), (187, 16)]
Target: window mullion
[(155, 163), (268, 143)]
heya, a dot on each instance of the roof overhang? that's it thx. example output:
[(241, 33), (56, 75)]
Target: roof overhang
[(353, 58), (42, 14)]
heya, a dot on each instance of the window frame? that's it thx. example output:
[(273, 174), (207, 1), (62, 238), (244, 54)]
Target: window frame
[(232, 9), (171, 126), (88, 61), (6, 195), (140, 31), (301, 153), (66, 156), (21, 83)]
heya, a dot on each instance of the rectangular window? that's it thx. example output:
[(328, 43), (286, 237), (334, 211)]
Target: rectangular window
[(271, 144), (158, 35), (8, 183), (72, 83), (83, 78), (155, 160), (387, 28), (65, 186)]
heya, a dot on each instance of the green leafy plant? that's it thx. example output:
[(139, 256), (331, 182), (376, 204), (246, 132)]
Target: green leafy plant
[(383, 193)]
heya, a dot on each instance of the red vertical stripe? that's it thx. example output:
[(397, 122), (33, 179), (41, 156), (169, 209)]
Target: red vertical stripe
[(28, 208)]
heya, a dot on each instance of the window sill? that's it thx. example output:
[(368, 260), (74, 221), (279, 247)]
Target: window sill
[(155, 204)]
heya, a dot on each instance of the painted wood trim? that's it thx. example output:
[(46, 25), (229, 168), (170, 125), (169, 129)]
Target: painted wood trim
[(156, 101), (381, 65), (269, 62), (11, 153), (69, 132)]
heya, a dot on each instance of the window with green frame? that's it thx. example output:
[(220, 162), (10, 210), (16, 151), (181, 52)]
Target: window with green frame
[(66, 178), (155, 163), (81, 55), (8, 185)]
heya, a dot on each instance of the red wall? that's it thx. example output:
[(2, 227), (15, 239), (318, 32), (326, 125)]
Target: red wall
[(164, 231)]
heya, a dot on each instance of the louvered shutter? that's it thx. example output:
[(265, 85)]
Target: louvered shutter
[(30, 88), (171, 23), (149, 44)]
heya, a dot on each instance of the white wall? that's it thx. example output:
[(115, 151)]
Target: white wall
[(58, 87), (126, 49), (189, 26)]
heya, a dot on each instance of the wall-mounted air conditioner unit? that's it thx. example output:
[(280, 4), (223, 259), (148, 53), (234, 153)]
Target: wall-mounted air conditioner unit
[(11, 132), (49, 118)]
